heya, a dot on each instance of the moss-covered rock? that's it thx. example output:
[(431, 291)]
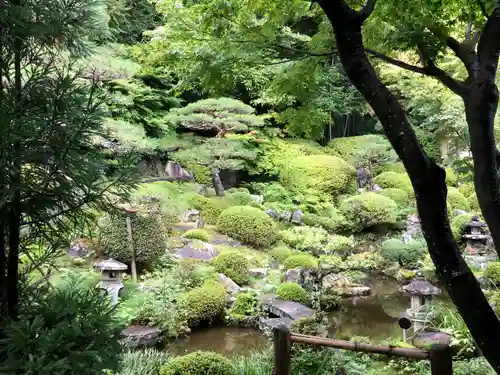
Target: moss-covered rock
[(280, 253), (292, 292), (197, 234), (397, 195), (457, 200), (149, 236), (393, 180), (327, 174), (199, 363), (233, 265), (210, 208), (205, 303), (248, 225), (368, 209), (300, 261)]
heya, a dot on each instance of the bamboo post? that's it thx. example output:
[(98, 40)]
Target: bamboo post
[(282, 345), (441, 360), (133, 267)]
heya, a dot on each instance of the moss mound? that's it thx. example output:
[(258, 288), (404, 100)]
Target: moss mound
[(197, 234), (280, 253), (457, 200), (198, 363), (397, 195), (368, 209), (204, 303), (210, 208), (393, 180), (300, 261), (233, 265), (323, 173), (292, 292), (248, 225), (148, 231)]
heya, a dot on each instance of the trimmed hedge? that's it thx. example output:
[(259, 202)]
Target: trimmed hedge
[(457, 200), (393, 180), (148, 232), (397, 195), (292, 292), (300, 261), (204, 303), (368, 209), (248, 225), (233, 265), (198, 363)]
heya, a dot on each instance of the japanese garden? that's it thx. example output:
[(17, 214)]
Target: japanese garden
[(214, 187)]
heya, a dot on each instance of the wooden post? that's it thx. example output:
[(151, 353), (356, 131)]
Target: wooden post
[(441, 360), (282, 345), (133, 267)]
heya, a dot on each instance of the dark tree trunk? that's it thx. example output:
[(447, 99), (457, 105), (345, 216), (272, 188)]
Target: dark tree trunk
[(427, 178), (216, 181)]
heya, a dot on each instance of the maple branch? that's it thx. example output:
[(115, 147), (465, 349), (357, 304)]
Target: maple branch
[(395, 62)]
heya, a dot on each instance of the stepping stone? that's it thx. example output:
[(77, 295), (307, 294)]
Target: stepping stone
[(271, 323), (258, 272), (285, 309)]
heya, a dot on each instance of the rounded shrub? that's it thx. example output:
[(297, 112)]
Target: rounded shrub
[(451, 177), (300, 261), (406, 255), (198, 363), (368, 209), (393, 180), (467, 188), (240, 198), (327, 174), (204, 303), (292, 292), (457, 225), (245, 304), (457, 200), (280, 253), (210, 208), (197, 234), (397, 167), (397, 195), (355, 150), (248, 225), (233, 265), (148, 232), (492, 272)]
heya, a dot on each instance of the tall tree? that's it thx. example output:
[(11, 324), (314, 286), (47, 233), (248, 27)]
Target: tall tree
[(51, 170), (421, 29)]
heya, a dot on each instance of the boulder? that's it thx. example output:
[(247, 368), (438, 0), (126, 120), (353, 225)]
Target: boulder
[(258, 272), (297, 217), (141, 336), (413, 226), (272, 213), (228, 284), (196, 249), (363, 178), (458, 212), (259, 199), (355, 291), (344, 285), (292, 276), (79, 249), (285, 216), (174, 170)]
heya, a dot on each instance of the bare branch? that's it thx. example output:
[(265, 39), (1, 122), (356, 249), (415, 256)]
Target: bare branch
[(395, 62), (367, 10)]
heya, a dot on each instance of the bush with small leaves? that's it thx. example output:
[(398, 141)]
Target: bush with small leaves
[(405, 254), (457, 200), (393, 180), (248, 225), (467, 188), (233, 265), (199, 363), (302, 260), (210, 208), (197, 234), (397, 195), (338, 243), (292, 292), (473, 202), (245, 304), (280, 253), (205, 303), (369, 209), (367, 260), (492, 272), (457, 225), (240, 198)]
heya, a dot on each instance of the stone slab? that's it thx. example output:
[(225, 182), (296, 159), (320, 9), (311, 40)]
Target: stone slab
[(271, 323), (285, 309), (141, 336)]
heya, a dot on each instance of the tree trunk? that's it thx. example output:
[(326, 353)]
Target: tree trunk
[(427, 178), (219, 188)]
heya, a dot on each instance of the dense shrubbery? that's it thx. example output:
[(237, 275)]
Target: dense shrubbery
[(457, 200), (451, 177), (332, 220), (360, 150), (199, 363), (369, 209), (397, 195), (204, 303), (315, 240), (492, 272), (300, 261), (233, 265), (148, 231), (397, 167), (248, 225), (280, 253), (210, 208), (406, 255), (327, 174), (467, 188), (393, 180), (245, 304), (367, 260), (197, 234), (292, 292), (473, 202), (457, 225)]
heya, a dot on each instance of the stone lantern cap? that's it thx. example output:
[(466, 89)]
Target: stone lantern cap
[(111, 265), (475, 223), (421, 287)]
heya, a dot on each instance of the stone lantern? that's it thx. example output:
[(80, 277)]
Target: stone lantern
[(111, 277), (474, 235), (421, 291)]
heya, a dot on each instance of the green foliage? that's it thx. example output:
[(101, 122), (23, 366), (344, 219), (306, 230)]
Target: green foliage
[(71, 330), (492, 272), (369, 209), (406, 255), (397, 195), (280, 253), (210, 208), (467, 189), (393, 180), (248, 225), (245, 304), (473, 202), (451, 177), (199, 363), (315, 240), (148, 233), (327, 174), (457, 200), (300, 261), (292, 292), (204, 303), (397, 167), (363, 261), (145, 362), (233, 265), (457, 225), (240, 198), (197, 234)]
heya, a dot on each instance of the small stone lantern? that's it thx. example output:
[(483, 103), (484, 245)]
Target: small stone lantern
[(111, 277), (474, 235), (421, 291)]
